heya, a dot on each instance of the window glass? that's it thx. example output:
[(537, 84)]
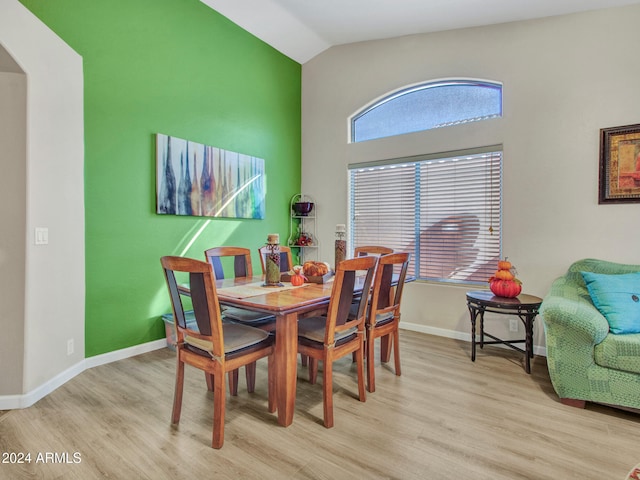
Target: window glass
[(427, 106)]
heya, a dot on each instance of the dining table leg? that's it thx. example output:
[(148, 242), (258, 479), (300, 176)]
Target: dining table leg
[(286, 366)]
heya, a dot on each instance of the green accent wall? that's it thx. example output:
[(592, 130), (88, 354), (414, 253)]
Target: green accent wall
[(179, 68)]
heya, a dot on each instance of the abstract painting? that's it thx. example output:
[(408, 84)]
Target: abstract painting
[(204, 181)]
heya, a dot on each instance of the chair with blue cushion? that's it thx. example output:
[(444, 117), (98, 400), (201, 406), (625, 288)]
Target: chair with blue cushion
[(364, 250), (236, 261), (241, 258), (214, 347), (383, 316), (328, 338)]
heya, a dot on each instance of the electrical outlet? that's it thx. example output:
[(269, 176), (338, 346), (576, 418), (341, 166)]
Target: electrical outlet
[(513, 324), (41, 236), (70, 347)]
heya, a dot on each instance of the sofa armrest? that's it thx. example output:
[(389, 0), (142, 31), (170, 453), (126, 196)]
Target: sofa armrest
[(577, 317), (573, 327)]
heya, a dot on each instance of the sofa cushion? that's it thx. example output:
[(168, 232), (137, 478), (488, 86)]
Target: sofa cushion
[(617, 297), (621, 352)]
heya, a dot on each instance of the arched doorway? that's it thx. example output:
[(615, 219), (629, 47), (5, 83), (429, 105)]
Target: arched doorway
[(13, 196), (45, 156)]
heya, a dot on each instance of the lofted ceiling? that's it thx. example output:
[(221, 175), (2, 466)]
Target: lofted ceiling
[(301, 29)]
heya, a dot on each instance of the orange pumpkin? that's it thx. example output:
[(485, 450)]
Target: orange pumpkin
[(297, 280), (504, 283), (506, 288), (504, 275), (504, 265)]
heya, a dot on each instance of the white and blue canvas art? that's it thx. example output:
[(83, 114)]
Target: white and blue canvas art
[(204, 181)]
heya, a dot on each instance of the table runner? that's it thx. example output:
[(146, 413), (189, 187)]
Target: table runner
[(254, 289)]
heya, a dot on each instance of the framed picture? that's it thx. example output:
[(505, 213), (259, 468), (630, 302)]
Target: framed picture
[(620, 164), (204, 181)]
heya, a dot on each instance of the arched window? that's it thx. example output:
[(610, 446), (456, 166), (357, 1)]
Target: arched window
[(428, 105)]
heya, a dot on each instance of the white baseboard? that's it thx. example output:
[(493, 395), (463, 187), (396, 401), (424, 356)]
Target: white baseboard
[(464, 336), (11, 402), (124, 353)]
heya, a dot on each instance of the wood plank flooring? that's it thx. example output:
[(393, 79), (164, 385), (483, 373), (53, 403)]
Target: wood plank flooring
[(444, 418)]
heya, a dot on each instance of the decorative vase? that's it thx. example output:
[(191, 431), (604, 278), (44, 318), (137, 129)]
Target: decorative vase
[(272, 261), (340, 245)]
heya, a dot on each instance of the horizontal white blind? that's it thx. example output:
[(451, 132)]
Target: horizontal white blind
[(445, 211), (383, 206)]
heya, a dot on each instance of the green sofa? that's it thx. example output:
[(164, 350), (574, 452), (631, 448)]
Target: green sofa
[(586, 362)]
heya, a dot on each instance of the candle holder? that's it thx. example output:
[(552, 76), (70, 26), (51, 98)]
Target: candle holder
[(340, 245), (272, 261)]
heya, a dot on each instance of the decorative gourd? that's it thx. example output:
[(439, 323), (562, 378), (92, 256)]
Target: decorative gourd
[(297, 278), (315, 269), (506, 288), (504, 283), (504, 275), (504, 265)]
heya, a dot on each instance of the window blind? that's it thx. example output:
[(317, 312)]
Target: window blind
[(383, 206), (445, 211)]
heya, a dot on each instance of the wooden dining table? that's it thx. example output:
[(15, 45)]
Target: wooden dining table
[(287, 305)]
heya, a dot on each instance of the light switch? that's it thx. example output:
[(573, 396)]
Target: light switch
[(42, 235)]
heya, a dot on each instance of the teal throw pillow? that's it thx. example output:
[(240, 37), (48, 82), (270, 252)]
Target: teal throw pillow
[(617, 297)]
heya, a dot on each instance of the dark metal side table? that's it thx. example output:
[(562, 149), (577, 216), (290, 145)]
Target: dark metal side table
[(523, 306)]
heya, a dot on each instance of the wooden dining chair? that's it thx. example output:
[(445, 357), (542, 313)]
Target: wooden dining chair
[(363, 251), (383, 316), (240, 258), (328, 338), (286, 260), (241, 261), (377, 250), (216, 347)]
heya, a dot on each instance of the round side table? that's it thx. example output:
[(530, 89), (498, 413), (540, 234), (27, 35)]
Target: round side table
[(523, 306)]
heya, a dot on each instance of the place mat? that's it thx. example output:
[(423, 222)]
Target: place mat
[(254, 289)]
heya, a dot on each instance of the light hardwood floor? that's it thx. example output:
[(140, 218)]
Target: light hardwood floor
[(444, 418)]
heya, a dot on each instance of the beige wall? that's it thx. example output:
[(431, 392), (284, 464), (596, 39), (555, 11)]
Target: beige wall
[(52, 161), (564, 79), (13, 119)]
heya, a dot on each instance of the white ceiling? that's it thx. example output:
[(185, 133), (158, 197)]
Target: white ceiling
[(301, 29)]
